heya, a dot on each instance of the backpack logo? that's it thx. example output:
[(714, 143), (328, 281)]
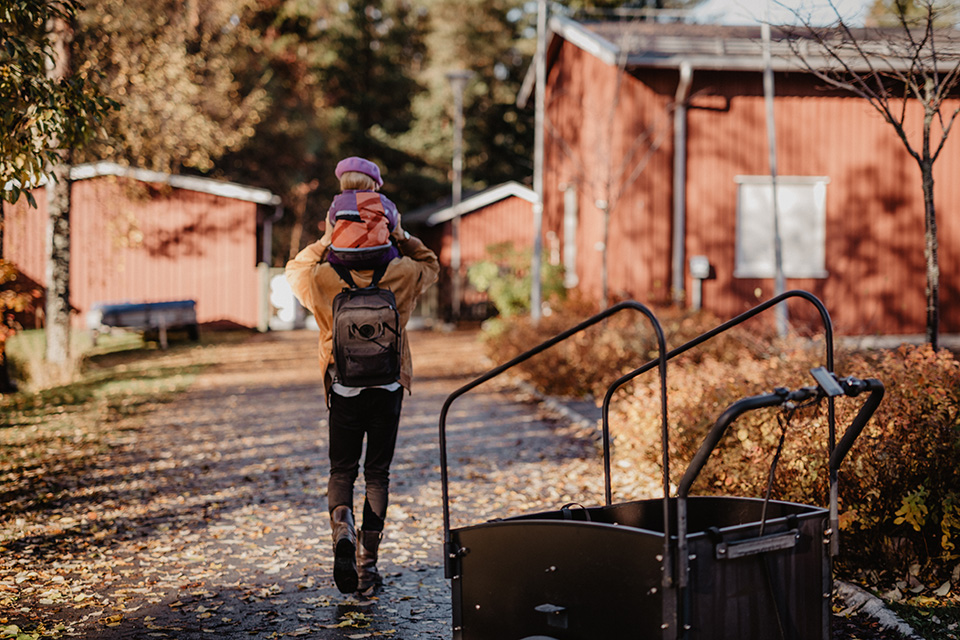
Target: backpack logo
[(366, 333)]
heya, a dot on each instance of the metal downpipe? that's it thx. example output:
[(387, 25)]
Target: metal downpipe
[(678, 284)]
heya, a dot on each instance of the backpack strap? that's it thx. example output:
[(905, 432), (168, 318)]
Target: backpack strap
[(344, 274), (377, 274)]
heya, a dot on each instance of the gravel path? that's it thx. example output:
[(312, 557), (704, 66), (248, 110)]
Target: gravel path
[(208, 516)]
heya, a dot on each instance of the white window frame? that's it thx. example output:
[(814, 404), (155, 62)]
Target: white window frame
[(802, 204)]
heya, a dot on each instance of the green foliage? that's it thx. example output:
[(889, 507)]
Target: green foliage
[(930, 617), (40, 115), (913, 509), (371, 76), (497, 133), (493, 40), (505, 278), (373, 48), (171, 67)]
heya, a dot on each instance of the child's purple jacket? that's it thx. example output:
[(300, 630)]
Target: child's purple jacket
[(365, 244)]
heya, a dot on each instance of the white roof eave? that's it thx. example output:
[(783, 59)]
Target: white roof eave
[(190, 183), (480, 200)]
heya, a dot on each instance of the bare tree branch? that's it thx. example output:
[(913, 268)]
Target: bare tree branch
[(946, 132), (842, 74), (911, 60)]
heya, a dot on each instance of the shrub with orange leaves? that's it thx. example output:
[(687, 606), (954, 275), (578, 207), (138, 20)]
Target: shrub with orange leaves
[(14, 299), (899, 489), (899, 486), (588, 362)]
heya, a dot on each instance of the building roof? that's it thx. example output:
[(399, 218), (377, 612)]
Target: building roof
[(655, 44), (670, 45), (443, 211), (190, 183)]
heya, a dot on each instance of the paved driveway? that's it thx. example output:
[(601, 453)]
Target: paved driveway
[(208, 516)]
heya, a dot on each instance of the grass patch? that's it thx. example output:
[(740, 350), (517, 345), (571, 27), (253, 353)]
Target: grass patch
[(26, 351), (114, 377), (930, 618), (54, 432)]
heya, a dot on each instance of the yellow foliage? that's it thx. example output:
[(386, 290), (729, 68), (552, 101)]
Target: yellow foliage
[(914, 509)]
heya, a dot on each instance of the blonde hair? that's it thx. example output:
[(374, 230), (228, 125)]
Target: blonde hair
[(357, 181)]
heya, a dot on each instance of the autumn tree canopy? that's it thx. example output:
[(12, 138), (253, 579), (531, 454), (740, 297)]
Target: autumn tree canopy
[(39, 114)]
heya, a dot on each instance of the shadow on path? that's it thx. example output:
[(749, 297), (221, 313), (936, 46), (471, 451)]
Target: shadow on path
[(206, 517)]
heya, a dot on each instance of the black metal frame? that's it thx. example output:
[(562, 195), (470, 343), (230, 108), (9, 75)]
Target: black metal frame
[(674, 574), (449, 553), (851, 387)]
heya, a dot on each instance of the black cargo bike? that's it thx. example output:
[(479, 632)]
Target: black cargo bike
[(679, 567)]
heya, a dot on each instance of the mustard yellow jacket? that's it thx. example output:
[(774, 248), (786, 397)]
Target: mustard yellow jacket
[(315, 283)]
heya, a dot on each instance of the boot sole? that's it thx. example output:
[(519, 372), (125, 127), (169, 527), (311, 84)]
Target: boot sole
[(370, 587), (345, 567)]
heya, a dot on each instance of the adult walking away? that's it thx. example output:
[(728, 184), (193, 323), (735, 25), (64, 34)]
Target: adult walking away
[(361, 411)]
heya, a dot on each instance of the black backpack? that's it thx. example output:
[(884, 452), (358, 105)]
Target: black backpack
[(366, 333)]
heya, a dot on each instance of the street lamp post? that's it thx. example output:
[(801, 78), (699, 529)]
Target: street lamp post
[(536, 293), (458, 81)]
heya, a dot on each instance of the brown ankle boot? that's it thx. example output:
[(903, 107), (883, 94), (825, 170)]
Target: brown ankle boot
[(344, 549), (367, 552)]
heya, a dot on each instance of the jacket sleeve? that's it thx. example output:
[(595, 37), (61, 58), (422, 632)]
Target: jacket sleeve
[(427, 265), (300, 273)]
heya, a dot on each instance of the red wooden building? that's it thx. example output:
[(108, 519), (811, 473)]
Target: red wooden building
[(143, 236), (663, 125), (498, 215)]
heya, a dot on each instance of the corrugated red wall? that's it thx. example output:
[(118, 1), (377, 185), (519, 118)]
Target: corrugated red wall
[(506, 221), (598, 139), (135, 242), (874, 245), (874, 227)]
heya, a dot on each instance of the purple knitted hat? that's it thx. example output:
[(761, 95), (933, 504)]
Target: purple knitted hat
[(360, 165)]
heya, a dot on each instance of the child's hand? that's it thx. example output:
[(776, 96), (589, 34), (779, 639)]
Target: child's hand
[(327, 230), (398, 233)]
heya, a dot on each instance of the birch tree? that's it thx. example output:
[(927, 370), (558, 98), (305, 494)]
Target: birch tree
[(47, 108)]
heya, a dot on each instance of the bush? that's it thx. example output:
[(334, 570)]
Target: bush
[(590, 361), (505, 278), (898, 485), (899, 490)]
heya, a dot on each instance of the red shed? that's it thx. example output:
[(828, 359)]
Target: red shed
[(663, 125), (143, 236), (500, 214)]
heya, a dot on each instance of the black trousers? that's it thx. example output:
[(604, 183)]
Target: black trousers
[(374, 414)]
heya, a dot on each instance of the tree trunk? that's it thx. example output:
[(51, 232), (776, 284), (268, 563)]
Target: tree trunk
[(6, 384), (298, 206), (58, 267), (930, 252), (58, 222), (605, 267)]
